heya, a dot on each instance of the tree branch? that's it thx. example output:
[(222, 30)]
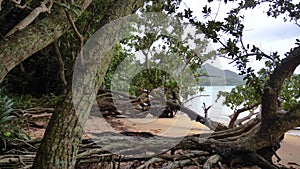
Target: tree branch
[(22, 44), (32, 16), (18, 3), (78, 34), (213, 125), (285, 122), (240, 121), (273, 87), (61, 67), (238, 112)]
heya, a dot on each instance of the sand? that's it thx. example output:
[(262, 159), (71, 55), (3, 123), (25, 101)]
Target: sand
[(289, 151), (181, 125)]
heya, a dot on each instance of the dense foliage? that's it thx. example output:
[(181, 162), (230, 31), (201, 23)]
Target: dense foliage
[(46, 63)]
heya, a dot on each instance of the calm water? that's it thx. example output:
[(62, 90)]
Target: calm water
[(218, 112)]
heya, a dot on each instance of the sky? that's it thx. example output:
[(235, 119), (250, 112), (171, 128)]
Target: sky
[(268, 33)]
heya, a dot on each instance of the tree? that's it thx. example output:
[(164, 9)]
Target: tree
[(31, 39), (160, 59), (255, 140)]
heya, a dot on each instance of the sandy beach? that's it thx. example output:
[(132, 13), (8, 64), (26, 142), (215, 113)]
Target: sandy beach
[(289, 151), (181, 125)]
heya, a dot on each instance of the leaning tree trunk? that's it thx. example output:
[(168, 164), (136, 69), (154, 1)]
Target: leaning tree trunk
[(23, 44), (252, 140), (272, 90), (63, 134)]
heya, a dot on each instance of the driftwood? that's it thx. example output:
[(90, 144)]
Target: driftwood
[(213, 125), (32, 116)]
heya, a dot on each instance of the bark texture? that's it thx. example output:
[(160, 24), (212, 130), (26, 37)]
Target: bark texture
[(22, 44), (60, 143), (270, 116)]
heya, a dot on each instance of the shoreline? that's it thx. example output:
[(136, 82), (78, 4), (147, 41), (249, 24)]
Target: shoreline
[(181, 125), (294, 132), (289, 152)]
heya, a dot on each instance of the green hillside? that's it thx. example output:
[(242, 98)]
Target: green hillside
[(219, 77)]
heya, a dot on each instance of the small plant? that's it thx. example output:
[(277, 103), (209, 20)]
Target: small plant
[(8, 132), (50, 100), (28, 101)]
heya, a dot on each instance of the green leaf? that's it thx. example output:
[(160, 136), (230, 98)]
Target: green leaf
[(7, 134), (6, 119)]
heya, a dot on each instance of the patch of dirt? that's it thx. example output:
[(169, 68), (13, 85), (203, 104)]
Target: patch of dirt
[(35, 126)]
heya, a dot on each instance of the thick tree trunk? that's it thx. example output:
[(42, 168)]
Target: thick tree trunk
[(58, 151), (21, 45), (270, 115), (60, 143), (63, 129)]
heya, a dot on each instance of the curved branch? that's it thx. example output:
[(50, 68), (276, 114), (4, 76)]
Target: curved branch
[(239, 111), (273, 87), (285, 122)]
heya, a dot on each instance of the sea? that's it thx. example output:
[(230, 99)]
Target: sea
[(218, 111)]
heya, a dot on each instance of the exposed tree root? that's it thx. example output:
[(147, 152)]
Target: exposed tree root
[(203, 151), (233, 146), (240, 145)]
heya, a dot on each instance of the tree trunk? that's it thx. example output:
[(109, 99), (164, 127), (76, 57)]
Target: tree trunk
[(63, 134), (57, 151), (272, 91), (60, 143), (21, 45)]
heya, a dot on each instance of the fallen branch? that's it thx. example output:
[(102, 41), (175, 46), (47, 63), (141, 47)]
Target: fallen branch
[(34, 110), (212, 160), (213, 125), (18, 3), (136, 112), (48, 115), (206, 109)]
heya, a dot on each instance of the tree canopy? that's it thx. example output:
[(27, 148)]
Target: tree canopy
[(57, 37)]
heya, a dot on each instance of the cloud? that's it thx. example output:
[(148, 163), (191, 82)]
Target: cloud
[(268, 33), (273, 32)]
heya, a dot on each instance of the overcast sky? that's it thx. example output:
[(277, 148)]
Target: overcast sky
[(265, 32)]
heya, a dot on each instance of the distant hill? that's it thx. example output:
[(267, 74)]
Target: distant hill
[(218, 77)]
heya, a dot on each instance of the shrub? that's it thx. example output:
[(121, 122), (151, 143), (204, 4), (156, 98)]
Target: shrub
[(8, 131)]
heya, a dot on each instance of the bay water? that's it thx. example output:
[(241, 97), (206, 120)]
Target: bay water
[(218, 111)]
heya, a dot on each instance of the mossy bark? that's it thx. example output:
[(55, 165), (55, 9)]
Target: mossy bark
[(63, 134), (22, 44)]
